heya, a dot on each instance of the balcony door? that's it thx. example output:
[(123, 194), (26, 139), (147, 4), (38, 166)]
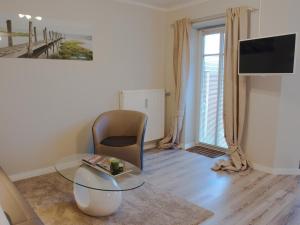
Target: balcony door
[(211, 127)]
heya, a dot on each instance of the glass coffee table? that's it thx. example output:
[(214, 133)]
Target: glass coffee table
[(97, 193)]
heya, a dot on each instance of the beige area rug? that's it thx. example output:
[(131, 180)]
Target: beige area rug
[(52, 199)]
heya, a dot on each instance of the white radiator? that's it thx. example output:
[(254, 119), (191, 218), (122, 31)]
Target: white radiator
[(150, 102)]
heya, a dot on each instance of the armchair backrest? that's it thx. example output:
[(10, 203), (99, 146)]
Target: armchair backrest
[(119, 123)]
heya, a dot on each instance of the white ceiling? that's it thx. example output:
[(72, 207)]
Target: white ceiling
[(165, 4)]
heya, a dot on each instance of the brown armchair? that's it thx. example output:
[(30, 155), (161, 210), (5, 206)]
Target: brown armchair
[(120, 134), (13, 203)]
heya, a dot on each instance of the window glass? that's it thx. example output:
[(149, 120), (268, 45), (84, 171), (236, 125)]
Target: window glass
[(211, 125), (212, 44)]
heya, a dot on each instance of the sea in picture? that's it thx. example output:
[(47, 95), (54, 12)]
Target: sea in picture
[(27, 36)]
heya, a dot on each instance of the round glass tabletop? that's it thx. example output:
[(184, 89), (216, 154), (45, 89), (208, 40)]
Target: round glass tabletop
[(73, 169)]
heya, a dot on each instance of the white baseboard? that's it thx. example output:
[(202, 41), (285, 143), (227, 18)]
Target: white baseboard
[(150, 145), (32, 173), (266, 169), (47, 170), (261, 168), (186, 146), (276, 171), (286, 171)]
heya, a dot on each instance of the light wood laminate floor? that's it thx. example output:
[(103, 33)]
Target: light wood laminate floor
[(236, 199)]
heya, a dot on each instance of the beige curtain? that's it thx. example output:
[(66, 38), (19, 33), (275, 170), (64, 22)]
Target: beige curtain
[(181, 66), (234, 91)]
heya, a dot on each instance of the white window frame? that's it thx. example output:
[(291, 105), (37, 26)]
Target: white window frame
[(201, 34)]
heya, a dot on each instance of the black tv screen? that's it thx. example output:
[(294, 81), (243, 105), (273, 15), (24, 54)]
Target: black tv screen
[(269, 55)]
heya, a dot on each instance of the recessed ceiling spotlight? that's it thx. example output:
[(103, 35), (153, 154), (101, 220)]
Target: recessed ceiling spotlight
[(21, 15), (38, 18), (28, 17)]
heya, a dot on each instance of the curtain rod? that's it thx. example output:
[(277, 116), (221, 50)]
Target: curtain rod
[(213, 17)]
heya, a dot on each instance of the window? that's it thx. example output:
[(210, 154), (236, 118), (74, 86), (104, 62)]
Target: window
[(211, 128)]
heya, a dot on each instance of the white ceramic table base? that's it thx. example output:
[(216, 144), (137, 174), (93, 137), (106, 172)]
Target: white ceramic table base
[(95, 202)]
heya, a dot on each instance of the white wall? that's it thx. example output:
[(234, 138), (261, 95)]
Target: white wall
[(264, 94), (47, 106), (270, 138), (288, 149)]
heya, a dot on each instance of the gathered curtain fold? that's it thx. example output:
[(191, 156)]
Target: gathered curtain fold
[(237, 20), (181, 67)]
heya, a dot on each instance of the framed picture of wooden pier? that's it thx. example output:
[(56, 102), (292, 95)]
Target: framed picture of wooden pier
[(30, 36)]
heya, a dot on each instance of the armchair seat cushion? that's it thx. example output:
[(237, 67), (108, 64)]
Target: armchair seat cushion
[(119, 141)]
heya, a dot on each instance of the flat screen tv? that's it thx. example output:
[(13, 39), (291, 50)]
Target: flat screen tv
[(268, 56)]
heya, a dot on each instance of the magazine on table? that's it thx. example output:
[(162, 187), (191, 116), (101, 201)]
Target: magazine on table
[(108, 165)]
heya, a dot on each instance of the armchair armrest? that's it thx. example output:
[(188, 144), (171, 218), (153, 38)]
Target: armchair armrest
[(4, 218), (100, 129), (141, 131)]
